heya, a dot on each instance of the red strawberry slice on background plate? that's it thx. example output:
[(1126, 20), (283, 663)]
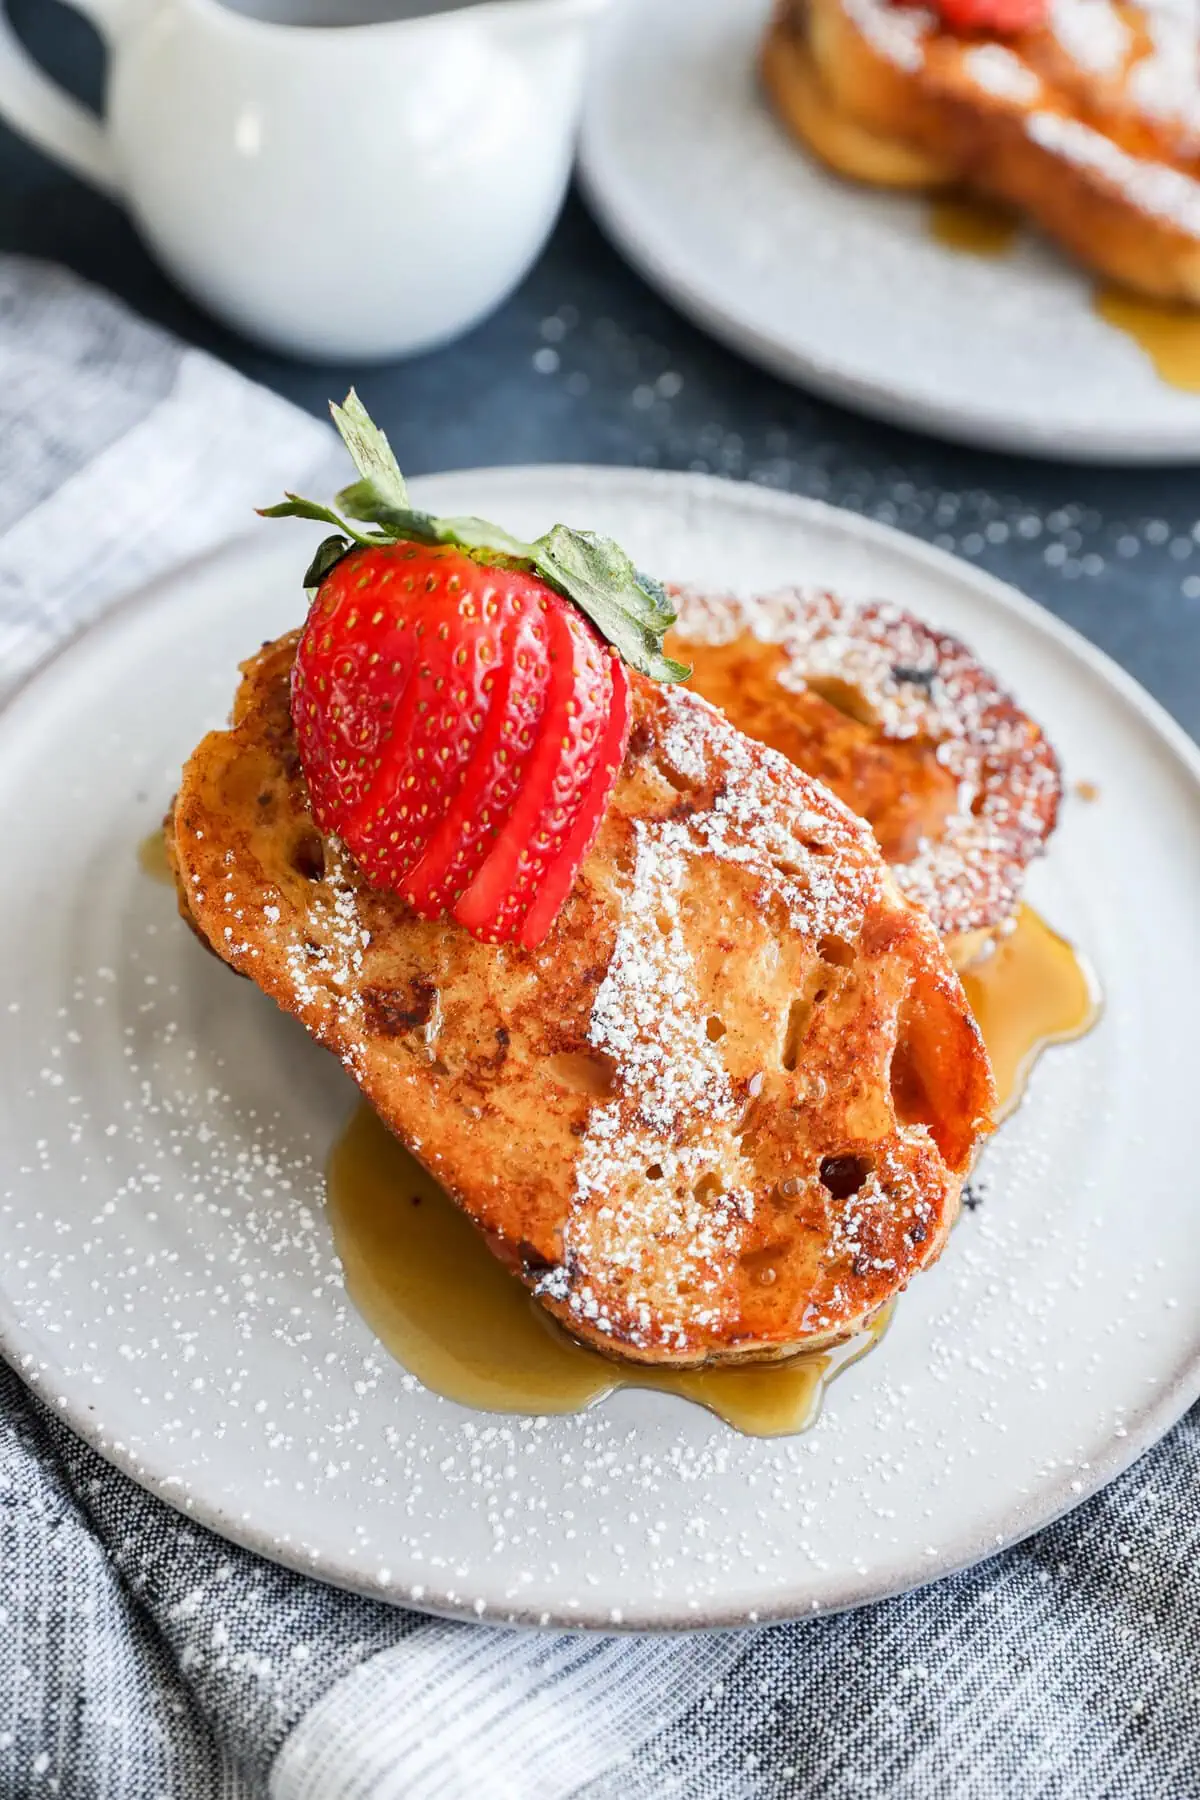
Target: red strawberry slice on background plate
[(1004, 18)]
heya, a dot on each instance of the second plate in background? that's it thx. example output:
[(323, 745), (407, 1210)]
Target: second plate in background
[(841, 288)]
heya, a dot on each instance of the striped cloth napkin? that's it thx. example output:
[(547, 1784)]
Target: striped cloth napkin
[(142, 1658)]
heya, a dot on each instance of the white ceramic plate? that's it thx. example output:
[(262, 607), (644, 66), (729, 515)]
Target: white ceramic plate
[(835, 286), (169, 1282)]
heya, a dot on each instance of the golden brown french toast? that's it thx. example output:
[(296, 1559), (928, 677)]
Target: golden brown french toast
[(1088, 123), (723, 1112), (959, 785)]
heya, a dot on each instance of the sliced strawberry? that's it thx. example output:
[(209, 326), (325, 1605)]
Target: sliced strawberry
[(579, 758), (559, 878), (459, 709), (1007, 18), (468, 829), (462, 614), (555, 779), (353, 665)]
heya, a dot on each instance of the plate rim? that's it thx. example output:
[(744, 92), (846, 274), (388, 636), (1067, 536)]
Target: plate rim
[(1174, 1393), (625, 214)]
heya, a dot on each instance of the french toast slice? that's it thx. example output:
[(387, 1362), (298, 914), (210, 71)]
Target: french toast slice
[(1089, 124), (960, 786), (723, 1113)]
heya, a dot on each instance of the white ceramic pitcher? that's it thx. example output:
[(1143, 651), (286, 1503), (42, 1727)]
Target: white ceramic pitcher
[(339, 178)]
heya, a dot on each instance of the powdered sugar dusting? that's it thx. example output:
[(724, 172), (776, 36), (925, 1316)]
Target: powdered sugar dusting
[(1165, 83), (998, 71), (1154, 187), (917, 685), (896, 32), (677, 1110), (762, 819), (1093, 34), (327, 968), (664, 1188)]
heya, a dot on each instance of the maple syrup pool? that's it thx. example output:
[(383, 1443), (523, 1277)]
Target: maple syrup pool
[(424, 1279), (1169, 335)]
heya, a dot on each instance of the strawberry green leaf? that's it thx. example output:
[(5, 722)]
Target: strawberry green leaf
[(654, 588), (630, 609), (630, 612), (329, 553), (361, 501), (370, 452), (296, 508), (478, 534)]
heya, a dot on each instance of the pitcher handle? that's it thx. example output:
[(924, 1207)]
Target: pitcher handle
[(41, 111)]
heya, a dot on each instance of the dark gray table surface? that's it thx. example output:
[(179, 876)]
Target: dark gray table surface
[(586, 364)]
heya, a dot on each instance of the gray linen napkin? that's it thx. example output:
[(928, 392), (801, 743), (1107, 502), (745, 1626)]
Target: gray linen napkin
[(142, 1658)]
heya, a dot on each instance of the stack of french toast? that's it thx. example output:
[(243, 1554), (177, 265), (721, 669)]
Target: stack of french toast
[(720, 1106), (1083, 115)]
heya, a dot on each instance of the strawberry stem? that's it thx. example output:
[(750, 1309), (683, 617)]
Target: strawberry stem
[(630, 609)]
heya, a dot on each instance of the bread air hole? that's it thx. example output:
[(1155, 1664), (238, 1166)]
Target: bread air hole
[(800, 1014), (909, 1096), (589, 1072), (308, 857), (843, 1176), (850, 701), (674, 778)]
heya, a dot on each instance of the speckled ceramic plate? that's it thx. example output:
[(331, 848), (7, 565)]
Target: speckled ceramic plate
[(168, 1280), (835, 286)]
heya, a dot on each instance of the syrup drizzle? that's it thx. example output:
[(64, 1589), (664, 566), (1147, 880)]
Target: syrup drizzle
[(152, 857), (1033, 990), (423, 1278), (1170, 335), (976, 227)]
